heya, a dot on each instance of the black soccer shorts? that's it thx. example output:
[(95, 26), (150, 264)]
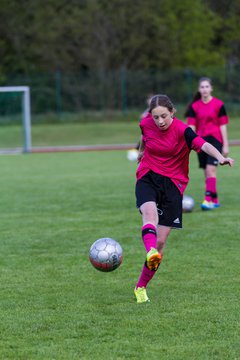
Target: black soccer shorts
[(205, 159), (161, 190)]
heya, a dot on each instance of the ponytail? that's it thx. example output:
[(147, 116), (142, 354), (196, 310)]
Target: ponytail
[(196, 97)]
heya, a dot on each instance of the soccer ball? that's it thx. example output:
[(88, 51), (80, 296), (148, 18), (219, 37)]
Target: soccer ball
[(106, 254), (132, 155), (187, 203)]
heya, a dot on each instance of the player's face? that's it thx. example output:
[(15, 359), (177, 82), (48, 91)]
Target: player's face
[(205, 89), (162, 117)]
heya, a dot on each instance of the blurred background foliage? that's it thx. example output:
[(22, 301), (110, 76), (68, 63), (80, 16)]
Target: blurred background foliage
[(101, 54), (50, 35)]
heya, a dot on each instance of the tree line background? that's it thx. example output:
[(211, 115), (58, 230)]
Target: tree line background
[(93, 40)]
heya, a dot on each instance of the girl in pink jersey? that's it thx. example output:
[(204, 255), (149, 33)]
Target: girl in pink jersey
[(207, 116), (162, 177)]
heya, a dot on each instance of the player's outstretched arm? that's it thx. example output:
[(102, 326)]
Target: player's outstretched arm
[(212, 151)]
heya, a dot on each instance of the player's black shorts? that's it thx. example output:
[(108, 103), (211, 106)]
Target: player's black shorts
[(161, 190), (205, 159)]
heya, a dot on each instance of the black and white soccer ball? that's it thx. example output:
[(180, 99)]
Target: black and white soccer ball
[(187, 203), (106, 254)]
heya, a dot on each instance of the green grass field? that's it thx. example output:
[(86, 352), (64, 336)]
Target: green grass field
[(55, 305), (90, 133)]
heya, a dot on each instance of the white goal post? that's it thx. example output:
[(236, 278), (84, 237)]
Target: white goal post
[(26, 108)]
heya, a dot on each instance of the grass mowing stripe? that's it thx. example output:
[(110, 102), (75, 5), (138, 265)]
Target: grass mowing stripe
[(89, 133)]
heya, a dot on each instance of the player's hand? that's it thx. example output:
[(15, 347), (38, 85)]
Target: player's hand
[(227, 161), (225, 150)]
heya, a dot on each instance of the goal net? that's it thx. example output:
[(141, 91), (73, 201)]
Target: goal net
[(24, 92)]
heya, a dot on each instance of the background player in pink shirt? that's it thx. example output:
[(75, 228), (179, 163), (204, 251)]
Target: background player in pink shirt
[(207, 116), (162, 177)]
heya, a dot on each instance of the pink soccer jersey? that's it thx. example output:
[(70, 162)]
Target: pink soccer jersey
[(208, 117), (167, 152)]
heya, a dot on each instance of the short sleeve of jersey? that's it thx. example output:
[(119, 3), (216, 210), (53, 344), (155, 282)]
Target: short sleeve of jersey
[(191, 116), (193, 141), (223, 118)]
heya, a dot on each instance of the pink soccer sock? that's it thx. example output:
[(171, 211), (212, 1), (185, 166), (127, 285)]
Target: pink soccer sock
[(215, 200), (211, 188), (149, 236), (145, 277)]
